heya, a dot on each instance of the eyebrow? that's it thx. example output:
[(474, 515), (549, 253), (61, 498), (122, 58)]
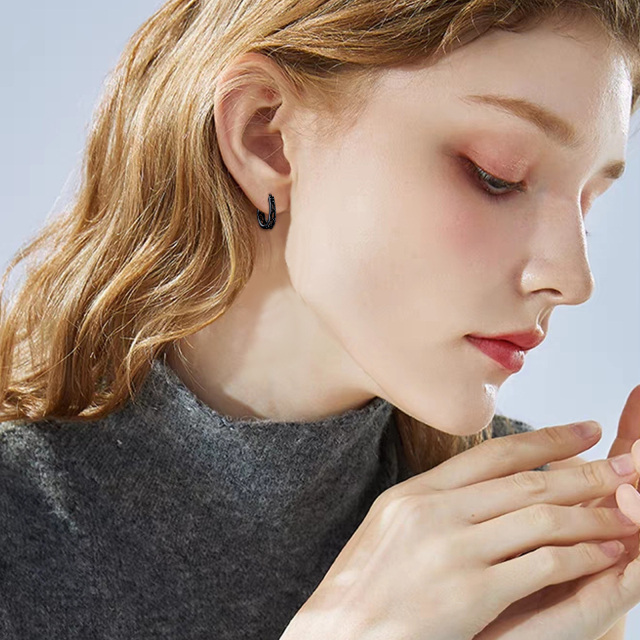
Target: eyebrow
[(561, 131)]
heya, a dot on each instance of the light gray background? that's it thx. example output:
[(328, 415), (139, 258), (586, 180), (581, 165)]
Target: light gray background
[(54, 62)]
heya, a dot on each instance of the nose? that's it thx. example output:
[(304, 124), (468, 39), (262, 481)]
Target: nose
[(558, 259)]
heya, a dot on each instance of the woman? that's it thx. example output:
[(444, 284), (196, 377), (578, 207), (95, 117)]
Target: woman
[(202, 403)]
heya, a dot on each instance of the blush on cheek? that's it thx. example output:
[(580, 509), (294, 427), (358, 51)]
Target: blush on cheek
[(464, 225), (464, 232), (472, 241)]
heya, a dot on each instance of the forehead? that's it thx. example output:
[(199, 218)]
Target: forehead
[(576, 88)]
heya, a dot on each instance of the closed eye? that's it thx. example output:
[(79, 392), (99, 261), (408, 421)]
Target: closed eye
[(490, 183), (485, 179)]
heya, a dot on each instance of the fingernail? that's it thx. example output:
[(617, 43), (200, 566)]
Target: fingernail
[(586, 429), (612, 548), (623, 465), (634, 506)]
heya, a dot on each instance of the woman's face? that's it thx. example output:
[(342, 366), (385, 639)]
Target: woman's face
[(396, 251)]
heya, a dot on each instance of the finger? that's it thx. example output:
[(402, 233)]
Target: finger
[(553, 565), (594, 606), (628, 500), (610, 501), (523, 530), (499, 457), (629, 424), (491, 499), (628, 586)]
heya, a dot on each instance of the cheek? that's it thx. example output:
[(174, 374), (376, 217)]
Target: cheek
[(471, 232)]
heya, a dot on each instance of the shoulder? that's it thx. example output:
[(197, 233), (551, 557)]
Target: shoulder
[(26, 470), (29, 456), (20, 439), (37, 456)]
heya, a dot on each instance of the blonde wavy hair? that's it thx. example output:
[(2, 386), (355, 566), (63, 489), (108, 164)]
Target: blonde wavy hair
[(159, 239)]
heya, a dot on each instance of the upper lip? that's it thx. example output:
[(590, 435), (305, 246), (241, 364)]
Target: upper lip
[(524, 340)]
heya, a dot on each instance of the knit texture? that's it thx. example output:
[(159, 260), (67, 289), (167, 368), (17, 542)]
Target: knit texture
[(167, 519)]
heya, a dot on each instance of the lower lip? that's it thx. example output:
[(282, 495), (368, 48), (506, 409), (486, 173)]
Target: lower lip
[(503, 352)]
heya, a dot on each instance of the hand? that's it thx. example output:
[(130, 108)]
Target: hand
[(419, 564), (587, 607), (628, 433)]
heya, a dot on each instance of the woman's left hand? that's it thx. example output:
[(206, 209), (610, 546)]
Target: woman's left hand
[(586, 608)]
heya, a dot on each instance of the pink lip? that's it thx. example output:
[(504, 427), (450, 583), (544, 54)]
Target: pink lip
[(504, 353)]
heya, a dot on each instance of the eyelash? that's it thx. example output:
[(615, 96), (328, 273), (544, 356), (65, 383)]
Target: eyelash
[(485, 178)]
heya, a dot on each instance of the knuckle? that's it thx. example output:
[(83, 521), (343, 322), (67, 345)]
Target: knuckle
[(550, 559), (590, 553), (389, 504), (557, 436), (544, 517), (531, 482), (497, 450), (388, 496), (381, 504), (411, 509), (591, 475), (605, 517)]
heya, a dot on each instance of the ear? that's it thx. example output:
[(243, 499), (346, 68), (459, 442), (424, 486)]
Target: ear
[(253, 125), (575, 461)]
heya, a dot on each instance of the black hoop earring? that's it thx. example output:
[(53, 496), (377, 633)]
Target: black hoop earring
[(268, 224)]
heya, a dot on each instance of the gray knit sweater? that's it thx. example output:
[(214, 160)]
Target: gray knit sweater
[(169, 520)]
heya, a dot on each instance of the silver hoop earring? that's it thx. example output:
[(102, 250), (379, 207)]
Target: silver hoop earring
[(268, 224)]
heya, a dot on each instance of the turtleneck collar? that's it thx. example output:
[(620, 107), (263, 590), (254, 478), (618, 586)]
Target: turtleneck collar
[(164, 385)]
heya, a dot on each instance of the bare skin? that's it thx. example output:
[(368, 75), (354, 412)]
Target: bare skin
[(387, 251)]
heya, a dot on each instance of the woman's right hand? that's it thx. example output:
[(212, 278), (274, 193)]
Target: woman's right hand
[(443, 553)]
